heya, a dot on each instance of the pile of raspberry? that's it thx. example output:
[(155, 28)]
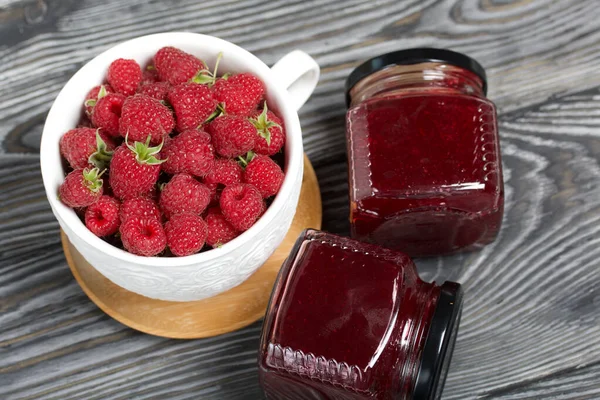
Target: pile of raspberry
[(172, 159)]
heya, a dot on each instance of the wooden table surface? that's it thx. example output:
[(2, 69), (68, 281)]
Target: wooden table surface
[(531, 324)]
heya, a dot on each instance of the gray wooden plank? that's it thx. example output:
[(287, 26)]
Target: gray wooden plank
[(579, 383), (530, 328)]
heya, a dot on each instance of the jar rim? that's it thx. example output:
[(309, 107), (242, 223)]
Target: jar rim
[(439, 345), (415, 56)]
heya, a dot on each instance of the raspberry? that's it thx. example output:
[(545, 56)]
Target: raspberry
[(139, 207), (156, 90), (271, 132), (176, 66), (219, 230), (102, 217), (154, 195), (186, 234), (215, 193), (124, 76), (264, 174), (95, 94), (232, 136), (241, 205), (149, 75), (240, 94), (189, 152), (134, 170), (193, 104), (143, 116), (225, 172), (79, 144), (143, 236), (81, 188), (184, 194), (107, 112)]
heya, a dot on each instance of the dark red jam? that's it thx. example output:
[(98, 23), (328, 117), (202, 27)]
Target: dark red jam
[(349, 320), (424, 158)]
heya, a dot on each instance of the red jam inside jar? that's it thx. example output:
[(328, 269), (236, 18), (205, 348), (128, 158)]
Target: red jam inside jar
[(349, 320), (425, 173)]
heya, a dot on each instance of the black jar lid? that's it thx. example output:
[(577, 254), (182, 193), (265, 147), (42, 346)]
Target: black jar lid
[(439, 344), (414, 56)]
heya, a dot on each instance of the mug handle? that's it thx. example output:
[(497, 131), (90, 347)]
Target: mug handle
[(298, 73)]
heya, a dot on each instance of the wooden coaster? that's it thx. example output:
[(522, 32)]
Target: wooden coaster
[(223, 313)]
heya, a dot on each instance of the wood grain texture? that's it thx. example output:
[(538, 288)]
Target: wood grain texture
[(531, 324)]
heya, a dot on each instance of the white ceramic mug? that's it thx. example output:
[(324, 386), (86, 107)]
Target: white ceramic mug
[(289, 83)]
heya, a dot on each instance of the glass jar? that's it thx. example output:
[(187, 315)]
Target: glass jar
[(425, 174), (349, 320)]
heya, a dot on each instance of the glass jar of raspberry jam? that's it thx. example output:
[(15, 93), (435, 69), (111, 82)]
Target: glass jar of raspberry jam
[(350, 321), (425, 174)]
